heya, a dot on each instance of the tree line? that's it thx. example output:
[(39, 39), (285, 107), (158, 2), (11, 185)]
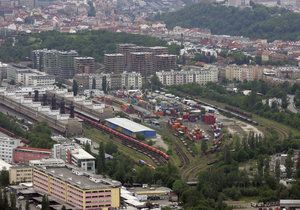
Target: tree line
[(256, 22)]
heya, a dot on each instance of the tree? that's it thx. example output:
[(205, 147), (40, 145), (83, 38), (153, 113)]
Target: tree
[(298, 168), (155, 83), (104, 84), (277, 169), (75, 87), (111, 148), (289, 166), (4, 178), (101, 159), (12, 200), (87, 148), (63, 208), (204, 146), (94, 83), (27, 205), (179, 187), (45, 203)]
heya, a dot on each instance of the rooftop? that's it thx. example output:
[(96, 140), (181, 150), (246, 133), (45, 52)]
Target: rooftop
[(79, 178), (81, 154), (4, 165), (128, 124), (33, 149)]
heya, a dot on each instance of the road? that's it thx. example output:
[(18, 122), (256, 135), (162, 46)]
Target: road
[(291, 107)]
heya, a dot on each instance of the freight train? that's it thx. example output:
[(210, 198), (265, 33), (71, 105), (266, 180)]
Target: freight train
[(128, 140)]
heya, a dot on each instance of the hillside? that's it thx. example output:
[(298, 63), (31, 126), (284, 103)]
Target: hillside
[(86, 43), (255, 22)]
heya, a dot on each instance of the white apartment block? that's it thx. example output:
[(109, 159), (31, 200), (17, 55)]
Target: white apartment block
[(189, 74), (132, 80), (7, 145), (244, 72)]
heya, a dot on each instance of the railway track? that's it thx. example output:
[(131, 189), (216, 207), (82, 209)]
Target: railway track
[(185, 161)]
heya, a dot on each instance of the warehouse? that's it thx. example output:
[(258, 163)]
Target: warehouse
[(129, 127)]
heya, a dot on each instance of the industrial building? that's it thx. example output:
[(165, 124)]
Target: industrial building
[(25, 154), (77, 188), (114, 63), (7, 145), (84, 65), (130, 128)]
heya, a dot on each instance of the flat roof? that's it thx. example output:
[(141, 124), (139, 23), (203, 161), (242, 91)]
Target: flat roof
[(81, 180), (80, 153), (128, 124)]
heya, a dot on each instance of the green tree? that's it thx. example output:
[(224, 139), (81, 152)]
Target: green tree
[(27, 205), (75, 87), (63, 208), (104, 84), (111, 148), (94, 83), (289, 166), (298, 168), (45, 203), (4, 178), (277, 169), (204, 146), (12, 200), (179, 187), (87, 148), (100, 159), (155, 83)]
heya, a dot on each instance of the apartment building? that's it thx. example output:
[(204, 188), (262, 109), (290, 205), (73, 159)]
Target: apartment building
[(77, 188), (66, 64), (114, 63), (157, 50), (18, 174), (125, 49), (132, 80), (244, 72), (84, 65), (165, 62), (7, 146), (99, 78), (190, 74), (142, 62)]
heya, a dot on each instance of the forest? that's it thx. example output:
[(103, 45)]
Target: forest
[(254, 22), (86, 43)]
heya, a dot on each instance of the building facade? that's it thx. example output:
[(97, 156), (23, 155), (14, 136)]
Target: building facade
[(114, 63), (190, 74), (7, 146), (66, 64), (77, 188), (84, 65), (142, 62), (132, 80), (18, 174), (165, 62), (245, 72)]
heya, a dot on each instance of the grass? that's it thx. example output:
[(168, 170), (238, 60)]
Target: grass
[(99, 136)]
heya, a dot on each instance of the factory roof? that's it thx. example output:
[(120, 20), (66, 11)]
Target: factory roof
[(81, 154), (79, 178), (128, 124)]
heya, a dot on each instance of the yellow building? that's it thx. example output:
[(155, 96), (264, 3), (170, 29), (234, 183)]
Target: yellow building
[(18, 174), (77, 188)]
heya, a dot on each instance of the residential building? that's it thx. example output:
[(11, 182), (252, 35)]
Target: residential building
[(190, 74), (18, 174), (115, 81), (83, 81), (114, 63), (25, 154), (47, 61), (84, 65), (125, 49), (158, 50), (66, 64), (243, 72), (132, 80), (3, 71), (7, 145), (4, 165), (142, 62), (47, 162), (165, 62), (77, 188)]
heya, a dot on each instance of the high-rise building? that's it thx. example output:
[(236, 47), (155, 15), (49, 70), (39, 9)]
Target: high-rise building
[(37, 57), (84, 65), (165, 62), (115, 81), (158, 50), (3, 71), (114, 63), (77, 188), (47, 61), (125, 49), (99, 79), (142, 62), (66, 64)]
